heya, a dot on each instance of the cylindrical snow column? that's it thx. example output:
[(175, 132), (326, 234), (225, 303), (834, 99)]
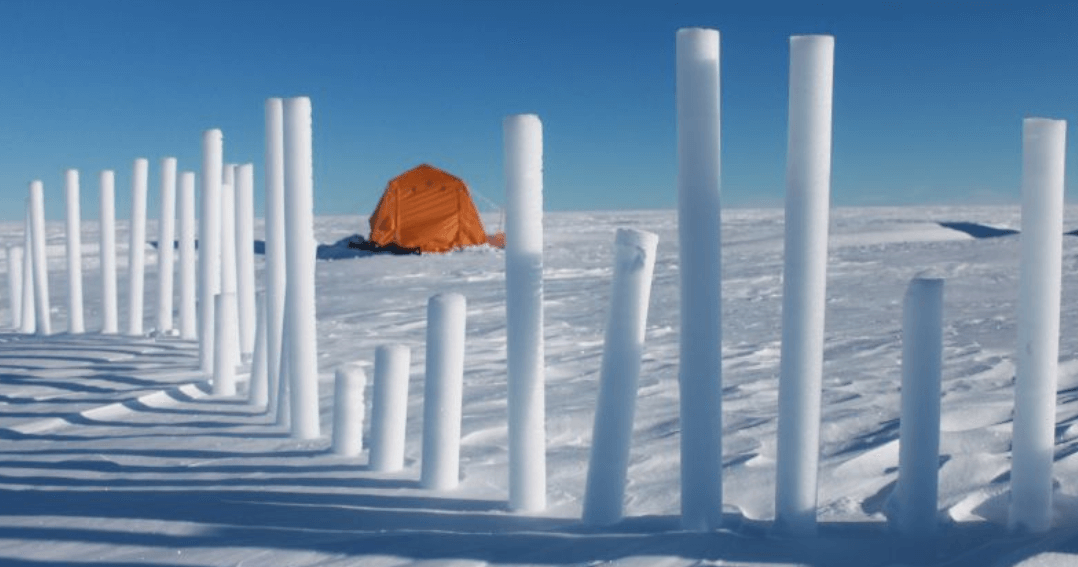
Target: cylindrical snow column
[(166, 226), (14, 283), (804, 280), (28, 324), (228, 260), (283, 409), (228, 174), (109, 318), (258, 387), (188, 317), (209, 244), (443, 391), (300, 248), (917, 490), (75, 322), (42, 313), (225, 357), (275, 272), (136, 265), (1036, 374), (228, 238), (699, 237), (348, 410), (245, 256), (524, 311), (634, 263), (389, 409)]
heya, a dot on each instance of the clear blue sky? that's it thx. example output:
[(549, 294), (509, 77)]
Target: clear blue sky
[(928, 100)]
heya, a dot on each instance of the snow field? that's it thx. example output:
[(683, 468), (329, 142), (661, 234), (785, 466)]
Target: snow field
[(202, 490)]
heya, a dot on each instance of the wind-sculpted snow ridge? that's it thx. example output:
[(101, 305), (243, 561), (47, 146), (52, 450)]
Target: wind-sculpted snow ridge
[(977, 230), (179, 478)]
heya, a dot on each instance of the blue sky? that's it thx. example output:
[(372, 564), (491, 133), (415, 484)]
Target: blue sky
[(927, 109)]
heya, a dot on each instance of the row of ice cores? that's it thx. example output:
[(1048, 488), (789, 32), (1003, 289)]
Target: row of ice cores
[(278, 329)]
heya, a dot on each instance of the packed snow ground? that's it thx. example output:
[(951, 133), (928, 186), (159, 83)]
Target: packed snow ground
[(111, 453)]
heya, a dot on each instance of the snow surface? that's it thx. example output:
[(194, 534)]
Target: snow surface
[(111, 454)]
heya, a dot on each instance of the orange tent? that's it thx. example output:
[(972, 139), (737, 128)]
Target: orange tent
[(428, 209)]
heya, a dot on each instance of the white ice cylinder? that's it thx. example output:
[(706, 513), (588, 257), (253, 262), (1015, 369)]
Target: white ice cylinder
[(1040, 280), (14, 283), (228, 238), (258, 390), (300, 248), (42, 311), (209, 243), (283, 409), (137, 251), (225, 357), (228, 257), (443, 391), (916, 493), (109, 317), (165, 255), (524, 311), (188, 285), (274, 274), (75, 323), (804, 294), (699, 237), (245, 256), (28, 324), (389, 410), (634, 264), (348, 410)]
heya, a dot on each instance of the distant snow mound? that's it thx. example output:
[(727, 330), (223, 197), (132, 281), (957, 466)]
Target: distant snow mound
[(977, 230)]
